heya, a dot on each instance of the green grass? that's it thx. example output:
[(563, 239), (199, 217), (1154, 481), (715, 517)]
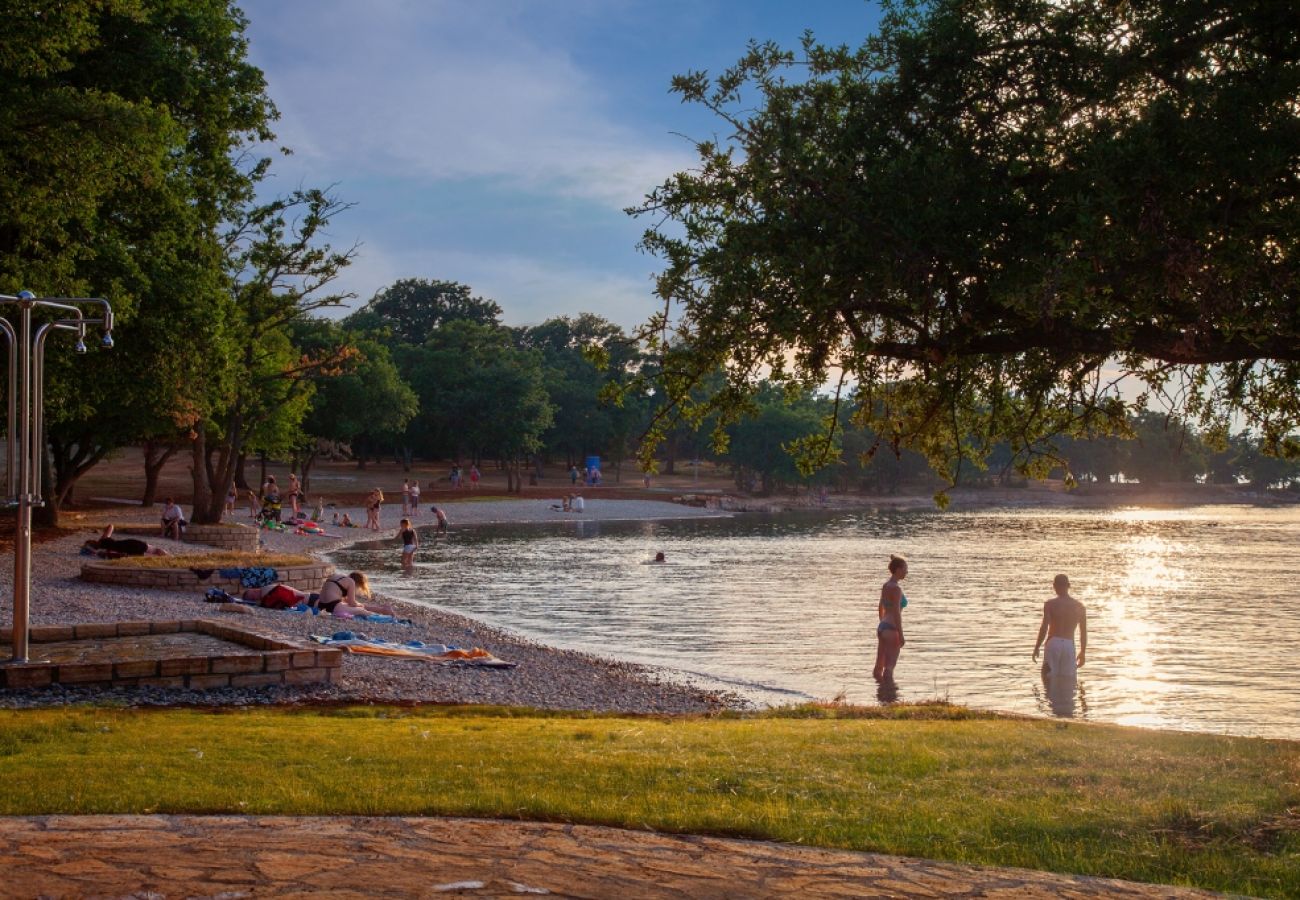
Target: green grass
[(1215, 812)]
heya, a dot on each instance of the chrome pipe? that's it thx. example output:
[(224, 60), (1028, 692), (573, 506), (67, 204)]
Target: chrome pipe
[(27, 430), (11, 439), (23, 538)]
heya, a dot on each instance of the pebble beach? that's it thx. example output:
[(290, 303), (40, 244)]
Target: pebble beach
[(544, 677)]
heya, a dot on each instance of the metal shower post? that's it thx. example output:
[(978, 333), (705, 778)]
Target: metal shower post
[(26, 438)]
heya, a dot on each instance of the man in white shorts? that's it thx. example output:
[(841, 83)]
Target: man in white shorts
[(1061, 616)]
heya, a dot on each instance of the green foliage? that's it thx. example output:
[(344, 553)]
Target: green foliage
[(988, 212), (124, 125), (584, 360), (782, 442), (1205, 810), (413, 308)]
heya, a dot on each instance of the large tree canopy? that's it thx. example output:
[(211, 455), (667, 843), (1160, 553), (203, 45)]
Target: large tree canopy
[(992, 210)]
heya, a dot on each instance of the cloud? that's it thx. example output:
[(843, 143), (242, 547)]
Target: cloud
[(441, 91), (529, 290)]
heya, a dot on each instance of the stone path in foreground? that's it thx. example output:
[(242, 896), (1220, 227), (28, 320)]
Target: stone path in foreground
[(231, 857)]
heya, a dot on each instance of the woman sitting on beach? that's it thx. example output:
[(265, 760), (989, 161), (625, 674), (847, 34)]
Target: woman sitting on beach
[(340, 595), (110, 547)]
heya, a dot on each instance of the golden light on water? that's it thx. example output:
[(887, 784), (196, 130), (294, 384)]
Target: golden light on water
[(1149, 567)]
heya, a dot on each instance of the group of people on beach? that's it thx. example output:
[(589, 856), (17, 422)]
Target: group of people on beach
[(1062, 616)]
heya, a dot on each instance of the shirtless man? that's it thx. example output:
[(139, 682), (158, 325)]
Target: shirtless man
[(1061, 615)]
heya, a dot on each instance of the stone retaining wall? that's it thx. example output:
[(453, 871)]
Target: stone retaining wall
[(225, 537), (155, 654), (307, 577)]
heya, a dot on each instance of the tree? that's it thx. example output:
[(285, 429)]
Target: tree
[(413, 308), (583, 358), (758, 446), (371, 398), (479, 394), (990, 211), (124, 125), (279, 273), (1164, 450)]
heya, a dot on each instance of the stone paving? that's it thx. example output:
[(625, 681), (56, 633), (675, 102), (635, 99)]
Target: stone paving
[(232, 857)]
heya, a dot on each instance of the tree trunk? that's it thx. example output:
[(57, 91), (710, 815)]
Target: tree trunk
[(47, 516), (241, 479), (262, 478), (156, 455), (199, 473)]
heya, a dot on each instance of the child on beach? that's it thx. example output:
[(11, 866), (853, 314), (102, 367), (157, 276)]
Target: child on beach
[(410, 542)]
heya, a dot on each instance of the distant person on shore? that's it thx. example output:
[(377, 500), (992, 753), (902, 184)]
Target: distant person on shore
[(374, 504), (415, 498), (443, 522), (409, 543), (295, 494), (111, 548), (406, 497), (173, 520), (889, 632), (232, 497), (474, 476), (1061, 616), (578, 504), (573, 476), (344, 593)]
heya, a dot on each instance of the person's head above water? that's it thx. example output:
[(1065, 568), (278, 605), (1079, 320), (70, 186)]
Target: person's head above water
[(659, 557), (1061, 583)]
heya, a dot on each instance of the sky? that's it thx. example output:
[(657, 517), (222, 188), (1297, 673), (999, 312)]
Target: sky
[(497, 142)]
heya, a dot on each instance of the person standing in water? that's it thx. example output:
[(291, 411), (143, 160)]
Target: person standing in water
[(1061, 616), (409, 544), (889, 632)]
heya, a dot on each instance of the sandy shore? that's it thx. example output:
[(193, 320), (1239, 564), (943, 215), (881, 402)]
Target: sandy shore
[(545, 677)]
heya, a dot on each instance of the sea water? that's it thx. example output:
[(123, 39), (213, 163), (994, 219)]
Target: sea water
[(1191, 613)]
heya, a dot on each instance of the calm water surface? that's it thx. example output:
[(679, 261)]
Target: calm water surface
[(1191, 612)]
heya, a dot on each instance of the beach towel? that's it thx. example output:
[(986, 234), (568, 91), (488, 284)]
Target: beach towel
[(252, 576), (433, 653)]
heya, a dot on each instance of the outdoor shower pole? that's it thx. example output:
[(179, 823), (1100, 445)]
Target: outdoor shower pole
[(26, 439)]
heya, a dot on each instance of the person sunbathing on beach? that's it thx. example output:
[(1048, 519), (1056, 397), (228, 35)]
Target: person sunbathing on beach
[(110, 547), (277, 596), (342, 594)]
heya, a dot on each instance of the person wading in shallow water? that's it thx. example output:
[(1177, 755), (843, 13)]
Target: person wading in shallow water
[(889, 633), (1061, 616)]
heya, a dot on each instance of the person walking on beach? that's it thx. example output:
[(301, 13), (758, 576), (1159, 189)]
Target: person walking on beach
[(473, 477), (1061, 616), (889, 632), (415, 498), (406, 497), (295, 494), (374, 502), (410, 541)]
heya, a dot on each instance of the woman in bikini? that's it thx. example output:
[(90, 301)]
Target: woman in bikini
[(889, 633), (344, 592)]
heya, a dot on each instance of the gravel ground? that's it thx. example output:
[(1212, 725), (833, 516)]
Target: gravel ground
[(545, 677)]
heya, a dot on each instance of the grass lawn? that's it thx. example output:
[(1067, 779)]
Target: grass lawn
[(1215, 812)]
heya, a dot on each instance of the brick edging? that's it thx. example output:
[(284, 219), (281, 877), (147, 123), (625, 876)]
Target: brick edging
[(307, 577), (279, 661)]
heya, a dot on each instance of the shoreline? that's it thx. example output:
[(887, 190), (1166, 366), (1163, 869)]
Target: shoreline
[(545, 677)]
